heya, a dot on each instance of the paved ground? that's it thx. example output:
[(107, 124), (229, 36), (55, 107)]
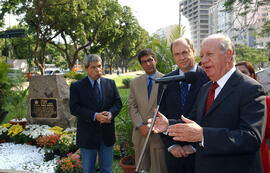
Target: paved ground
[(11, 171)]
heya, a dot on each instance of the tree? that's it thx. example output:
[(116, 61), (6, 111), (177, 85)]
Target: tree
[(255, 56), (248, 8), (129, 39), (161, 46), (84, 26)]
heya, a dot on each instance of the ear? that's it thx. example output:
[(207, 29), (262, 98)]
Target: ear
[(229, 54)]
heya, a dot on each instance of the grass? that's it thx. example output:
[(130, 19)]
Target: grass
[(118, 80)]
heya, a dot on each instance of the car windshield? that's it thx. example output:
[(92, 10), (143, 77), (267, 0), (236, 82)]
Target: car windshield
[(47, 72)]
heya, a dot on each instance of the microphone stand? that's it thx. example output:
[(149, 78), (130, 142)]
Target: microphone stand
[(164, 86)]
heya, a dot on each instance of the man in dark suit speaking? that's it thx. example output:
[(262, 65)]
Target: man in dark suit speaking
[(96, 102), (229, 115)]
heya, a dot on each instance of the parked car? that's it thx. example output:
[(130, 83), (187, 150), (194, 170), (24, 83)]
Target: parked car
[(53, 71)]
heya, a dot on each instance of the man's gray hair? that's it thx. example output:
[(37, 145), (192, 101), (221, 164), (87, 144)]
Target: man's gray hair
[(91, 58), (225, 43)]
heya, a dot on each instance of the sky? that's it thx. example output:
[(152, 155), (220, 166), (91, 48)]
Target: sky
[(151, 14), (155, 14)]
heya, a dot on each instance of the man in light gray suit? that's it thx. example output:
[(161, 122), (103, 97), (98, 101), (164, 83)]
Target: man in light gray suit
[(142, 102)]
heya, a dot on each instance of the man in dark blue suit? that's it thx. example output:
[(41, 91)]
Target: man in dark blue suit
[(96, 102), (229, 115), (178, 99)]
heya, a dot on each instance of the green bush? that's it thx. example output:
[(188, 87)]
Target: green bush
[(74, 75), (124, 130), (126, 82), (6, 83)]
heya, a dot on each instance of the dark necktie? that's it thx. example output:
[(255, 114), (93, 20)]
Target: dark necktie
[(184, 93), (211, 96), (149, 87), (97, 92)]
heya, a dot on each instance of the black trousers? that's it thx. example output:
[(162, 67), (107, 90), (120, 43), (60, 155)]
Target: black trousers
[(180, 165)]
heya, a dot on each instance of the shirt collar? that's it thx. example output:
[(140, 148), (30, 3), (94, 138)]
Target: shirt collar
[(193, 69), (92, 81), (153, 76), (222, 81)]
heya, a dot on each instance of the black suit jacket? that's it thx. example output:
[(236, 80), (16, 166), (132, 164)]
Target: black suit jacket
[(170, 104), (83, 104), (233, 127)]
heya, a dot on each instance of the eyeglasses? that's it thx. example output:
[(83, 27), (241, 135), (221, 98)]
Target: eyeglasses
[(146, 61)]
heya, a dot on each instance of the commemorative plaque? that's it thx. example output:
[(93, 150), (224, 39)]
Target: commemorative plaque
[(43, 108)]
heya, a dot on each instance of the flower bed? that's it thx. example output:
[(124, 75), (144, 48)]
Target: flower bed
[(54, 142)]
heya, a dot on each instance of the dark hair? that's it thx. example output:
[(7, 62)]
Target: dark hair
[(146, 52), (249, 67), (189, 42)]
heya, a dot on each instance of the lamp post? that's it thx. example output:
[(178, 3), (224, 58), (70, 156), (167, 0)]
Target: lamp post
[(29, 57)]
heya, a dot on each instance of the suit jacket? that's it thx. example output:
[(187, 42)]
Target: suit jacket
[(233, 127), (170, 104), (141, 109), (84, 104)]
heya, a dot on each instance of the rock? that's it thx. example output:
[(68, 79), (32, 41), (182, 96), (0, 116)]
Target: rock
[(48, 101)]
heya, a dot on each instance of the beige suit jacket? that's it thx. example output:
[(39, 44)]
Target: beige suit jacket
[(141, 109)]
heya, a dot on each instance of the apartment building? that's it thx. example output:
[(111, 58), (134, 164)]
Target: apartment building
[(241, 29), (196, 11)]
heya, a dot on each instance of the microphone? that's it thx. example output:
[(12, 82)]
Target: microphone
[(188, 77)]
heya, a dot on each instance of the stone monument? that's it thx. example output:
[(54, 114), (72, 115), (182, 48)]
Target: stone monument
[(48, 101)]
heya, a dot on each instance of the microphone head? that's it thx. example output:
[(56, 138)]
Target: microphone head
[(190, 77)]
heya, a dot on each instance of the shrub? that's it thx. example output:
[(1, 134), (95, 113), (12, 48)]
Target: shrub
[(124, 129), (6, 83), (74, 75), (69, 164), (126, 82)]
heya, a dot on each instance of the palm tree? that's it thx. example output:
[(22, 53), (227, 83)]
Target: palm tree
[(161, 47)]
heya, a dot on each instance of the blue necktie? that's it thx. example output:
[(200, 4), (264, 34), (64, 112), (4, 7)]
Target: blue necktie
[(149, 87), (97, 92), (184, 93)]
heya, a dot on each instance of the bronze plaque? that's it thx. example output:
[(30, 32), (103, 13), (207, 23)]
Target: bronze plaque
[(43, 108)]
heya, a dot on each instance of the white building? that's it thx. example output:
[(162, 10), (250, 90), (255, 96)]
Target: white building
[(196, 11), (241, 29)]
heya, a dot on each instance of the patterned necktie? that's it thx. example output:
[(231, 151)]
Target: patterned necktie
[(211, 96), (97, 92), (149, 87), (184, 93)]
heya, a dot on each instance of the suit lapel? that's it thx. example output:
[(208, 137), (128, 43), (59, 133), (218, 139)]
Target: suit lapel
[(104, 91), (153, 96), (90, 90), (201, 107), (227, 90), (143, 87), (88, 87), (192, 93)]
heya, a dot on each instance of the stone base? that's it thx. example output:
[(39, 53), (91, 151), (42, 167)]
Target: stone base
[(43, 89)]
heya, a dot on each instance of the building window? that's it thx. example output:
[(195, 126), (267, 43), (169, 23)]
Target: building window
[(204, 26)]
